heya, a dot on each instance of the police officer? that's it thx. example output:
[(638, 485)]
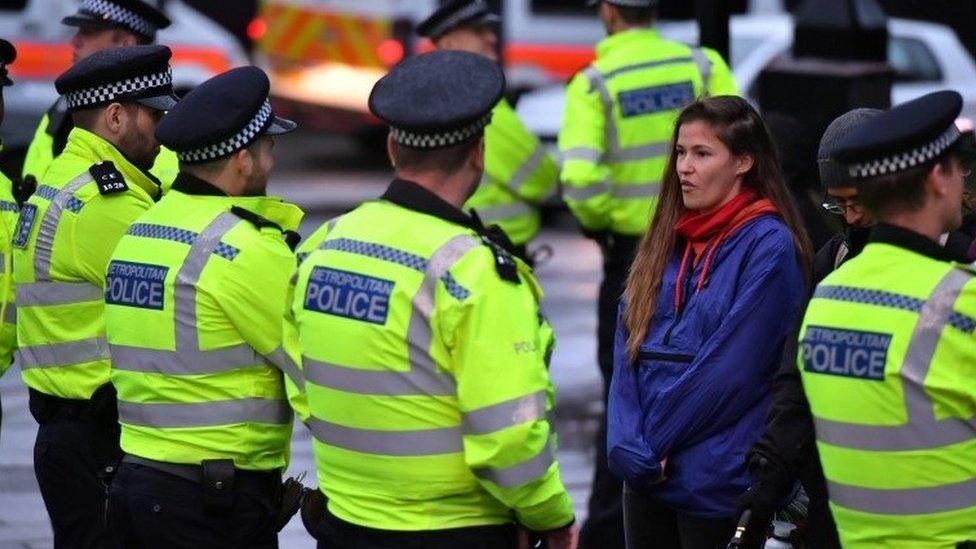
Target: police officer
[(617, 123), (429, 415), (101, 24), (8, 218), (519, 173), (206, 423), (65, 233), (786, 452), (887, 343)]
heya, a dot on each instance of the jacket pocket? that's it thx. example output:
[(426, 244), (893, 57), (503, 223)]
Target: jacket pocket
[(666, 357)]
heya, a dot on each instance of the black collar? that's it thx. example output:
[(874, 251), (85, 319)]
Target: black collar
[(909, 240), (191, 184), (414, 197)]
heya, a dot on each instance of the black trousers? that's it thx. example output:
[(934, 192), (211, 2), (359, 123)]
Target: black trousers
[(652, 525), (67, 470), (603, 528), (150, 509), (335, 533)]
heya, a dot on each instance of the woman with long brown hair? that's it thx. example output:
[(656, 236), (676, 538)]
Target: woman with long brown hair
[(709, 302)]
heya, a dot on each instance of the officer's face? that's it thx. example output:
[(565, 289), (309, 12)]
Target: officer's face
[(138, 135), (480, 39), (89, 40), (709, 174)]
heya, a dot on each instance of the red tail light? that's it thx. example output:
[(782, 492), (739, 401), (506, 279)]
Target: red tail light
[(390, 52), (256, 29)]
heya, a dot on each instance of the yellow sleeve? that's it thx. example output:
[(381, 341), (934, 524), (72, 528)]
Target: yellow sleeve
[(722, 82), (39, 153), (505, 393), (255, 297), (586, 179), (516, 158)]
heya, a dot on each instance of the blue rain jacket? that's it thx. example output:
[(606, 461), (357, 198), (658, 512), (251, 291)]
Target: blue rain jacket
[(699, 391)]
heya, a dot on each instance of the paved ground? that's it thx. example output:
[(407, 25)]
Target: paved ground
[(324, 174)]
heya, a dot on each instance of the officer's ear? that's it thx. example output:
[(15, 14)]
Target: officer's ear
[(391, 149), (477, 155), (244, 161), (115, 117)]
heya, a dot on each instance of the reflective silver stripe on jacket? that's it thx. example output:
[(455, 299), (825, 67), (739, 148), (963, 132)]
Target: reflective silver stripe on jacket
[(494, 214), (922, 430), (205, 414), (525, 171), (506, 414), (423, 377), (587, 192), (424, 442), (55, 355), (43, 294), (44, 245), (520, 473)]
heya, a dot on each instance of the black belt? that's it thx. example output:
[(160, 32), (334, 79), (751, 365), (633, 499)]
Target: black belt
[(244, 481)]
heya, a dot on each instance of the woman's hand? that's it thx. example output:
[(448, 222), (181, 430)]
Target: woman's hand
[(664, 472)]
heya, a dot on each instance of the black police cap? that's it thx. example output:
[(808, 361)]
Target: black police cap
[(902, 138), (7, 56), (438, 99), (138, 74), (454, 14), (133, 15), (221, 116)]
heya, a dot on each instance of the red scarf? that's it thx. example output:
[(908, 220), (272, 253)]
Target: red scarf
[(704, 232)]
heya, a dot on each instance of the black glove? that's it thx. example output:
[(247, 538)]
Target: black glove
[(772, 485)]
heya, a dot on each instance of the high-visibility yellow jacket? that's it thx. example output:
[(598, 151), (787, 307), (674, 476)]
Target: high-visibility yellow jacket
[(8, 309), (63, 239), (427, 412), (618, 123), (41, 152), (888, 359), (209, 274), (519, 176)]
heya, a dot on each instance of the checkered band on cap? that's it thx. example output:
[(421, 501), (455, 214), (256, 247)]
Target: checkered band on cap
[(909, 159), (103, 9), (229, 146), (128, 88), (440, 140), (469, 11)]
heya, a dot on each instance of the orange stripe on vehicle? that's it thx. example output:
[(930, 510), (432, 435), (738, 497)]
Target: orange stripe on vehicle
[(346, 52), (278, 30), (308, 33), (213, 59), (40, 60), (560, 61), (355, 36)]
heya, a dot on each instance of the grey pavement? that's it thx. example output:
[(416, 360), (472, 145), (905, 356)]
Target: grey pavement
[(570, 280)]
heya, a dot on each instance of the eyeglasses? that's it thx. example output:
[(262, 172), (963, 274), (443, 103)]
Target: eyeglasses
[(839, 207)]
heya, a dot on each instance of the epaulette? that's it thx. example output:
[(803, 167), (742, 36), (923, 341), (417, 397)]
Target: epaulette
[(108, 178), (291, 237)]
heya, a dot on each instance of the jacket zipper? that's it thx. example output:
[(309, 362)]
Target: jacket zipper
[(670, 357), (689, 274)]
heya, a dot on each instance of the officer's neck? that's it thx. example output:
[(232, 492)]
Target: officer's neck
[(454, 189), (227, 179), (926, 222)]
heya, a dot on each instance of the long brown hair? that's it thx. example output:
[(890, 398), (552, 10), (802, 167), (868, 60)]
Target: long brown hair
[(740, 128)]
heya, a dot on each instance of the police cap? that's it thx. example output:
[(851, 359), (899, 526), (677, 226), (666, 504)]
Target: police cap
[(223, 115), (832, 173), (456, 13), (133, 15), (7, 56), (904, 137), (135, 73), (626, 3), (438, 99)]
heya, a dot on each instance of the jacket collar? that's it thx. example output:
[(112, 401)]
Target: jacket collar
[(414, 197), (623, 39), (909, 240), (93, 148), (191, 184)]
